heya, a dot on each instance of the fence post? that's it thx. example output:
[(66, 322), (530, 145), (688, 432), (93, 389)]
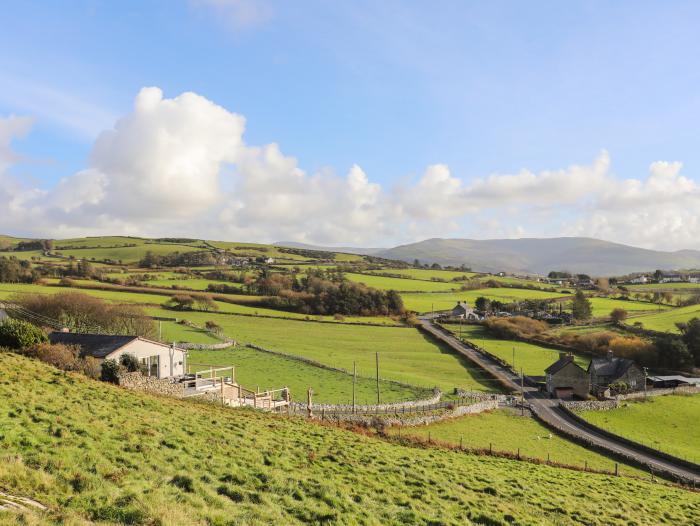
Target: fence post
[(460, 442), (518, 453), (617, 469), (429, 438)]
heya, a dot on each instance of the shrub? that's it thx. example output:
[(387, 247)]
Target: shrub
[(129, 362), (62, 356), (516, 327), (636, 349), (18, 334), (91, 367), (110, 371), (618, 315)]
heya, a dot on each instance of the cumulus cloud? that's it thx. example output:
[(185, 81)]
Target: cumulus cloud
[(181, 166)]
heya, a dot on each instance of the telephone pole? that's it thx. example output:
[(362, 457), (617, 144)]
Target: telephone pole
[(522, 393), (354, 381), (377, 359)]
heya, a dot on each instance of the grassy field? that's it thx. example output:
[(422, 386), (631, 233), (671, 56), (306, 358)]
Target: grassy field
[(665, 321), (402, 284), (265, 370), (405, 354), (652, 287), (97, 454), (533, 359), (424, 302), (670, 423), (506, 430), (603, 306), (427, 274), (8, 289), (171, 331)]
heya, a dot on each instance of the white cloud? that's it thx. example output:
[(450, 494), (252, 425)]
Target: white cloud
[(180, 166)]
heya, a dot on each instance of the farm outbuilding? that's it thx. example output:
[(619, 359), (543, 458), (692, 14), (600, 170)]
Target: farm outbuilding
[(566, 379), (157, 359)]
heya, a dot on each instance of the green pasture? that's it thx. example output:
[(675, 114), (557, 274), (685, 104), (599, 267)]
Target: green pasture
[(533, 359), (425, 302), (661, 287), (268, 371), (405, 354), (97, 454), (505, 430), (669, 423), (666, 320), (602, 307), (401, 284), (427, 274), (126, 254), (171, 331), (149, 299)]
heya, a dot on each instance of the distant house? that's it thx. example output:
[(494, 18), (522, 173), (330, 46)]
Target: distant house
[(639, 280), (612, 369), (694, 278), (156, 359), (671, 278), (269, 261), (566, 379), (464, 311)]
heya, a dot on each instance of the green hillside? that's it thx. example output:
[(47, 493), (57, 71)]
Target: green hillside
[(94, 453)]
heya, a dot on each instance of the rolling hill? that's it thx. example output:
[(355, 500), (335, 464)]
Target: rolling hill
[(575, 254)]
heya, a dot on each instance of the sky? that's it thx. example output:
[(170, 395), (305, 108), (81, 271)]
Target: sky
[(351, 123)]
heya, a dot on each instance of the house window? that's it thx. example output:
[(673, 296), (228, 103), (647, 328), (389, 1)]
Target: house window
[(153, 363)]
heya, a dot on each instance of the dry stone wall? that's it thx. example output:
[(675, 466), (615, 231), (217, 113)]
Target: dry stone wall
[(151, 384)]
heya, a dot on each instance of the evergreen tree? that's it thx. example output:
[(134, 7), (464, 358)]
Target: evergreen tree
[(581, 307)]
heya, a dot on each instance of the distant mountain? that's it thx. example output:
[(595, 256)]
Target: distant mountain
[(348, 250), (531, 255)]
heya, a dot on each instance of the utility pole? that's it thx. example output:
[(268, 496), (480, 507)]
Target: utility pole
[(645, 381), (354, 381), (522, 393), (513, 356), (160, 330), (377, 359)]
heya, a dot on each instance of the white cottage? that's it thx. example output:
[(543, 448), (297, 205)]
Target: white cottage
[(156, 359)]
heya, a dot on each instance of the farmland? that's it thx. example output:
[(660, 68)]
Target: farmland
[(669, 423), (121, 457), (401, 284), (428, 274), (256, 368), (666, 320), (533, 359), (504, 430), (445, 301), (603, 306)]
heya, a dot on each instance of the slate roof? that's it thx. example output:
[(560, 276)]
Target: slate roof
[(560, 364), (95, 345), (613, 367)]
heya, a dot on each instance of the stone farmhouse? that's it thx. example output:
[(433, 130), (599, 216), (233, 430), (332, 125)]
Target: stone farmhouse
[(612, 369), (566, 379), (157, 359)]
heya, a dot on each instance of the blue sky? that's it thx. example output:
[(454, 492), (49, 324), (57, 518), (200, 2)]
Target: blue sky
[(483, 88)]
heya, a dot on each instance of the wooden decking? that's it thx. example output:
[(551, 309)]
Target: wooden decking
[(220, 382)]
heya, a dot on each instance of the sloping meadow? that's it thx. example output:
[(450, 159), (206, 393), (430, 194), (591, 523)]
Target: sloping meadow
[(95, 452)]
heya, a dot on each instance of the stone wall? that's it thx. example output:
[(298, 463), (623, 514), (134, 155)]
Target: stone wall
[(208, 346), (686, 389), (152, 384), (411, 421), (437, 395), (591, 405)]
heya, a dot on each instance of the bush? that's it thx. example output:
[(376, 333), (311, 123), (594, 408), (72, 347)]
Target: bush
[(91, 367), (516, 327), (129, 362), (110, 371), (64, 357), (17, 334)]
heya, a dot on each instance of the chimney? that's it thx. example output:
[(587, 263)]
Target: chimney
[(610, 356), (566, 356)]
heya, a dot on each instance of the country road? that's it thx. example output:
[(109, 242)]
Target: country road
[(548, 410)]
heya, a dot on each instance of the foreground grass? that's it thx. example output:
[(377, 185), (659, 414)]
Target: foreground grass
[(533, 359), (506, 431), (405, 354), (264, 370), (669, 423), (99, 454)]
